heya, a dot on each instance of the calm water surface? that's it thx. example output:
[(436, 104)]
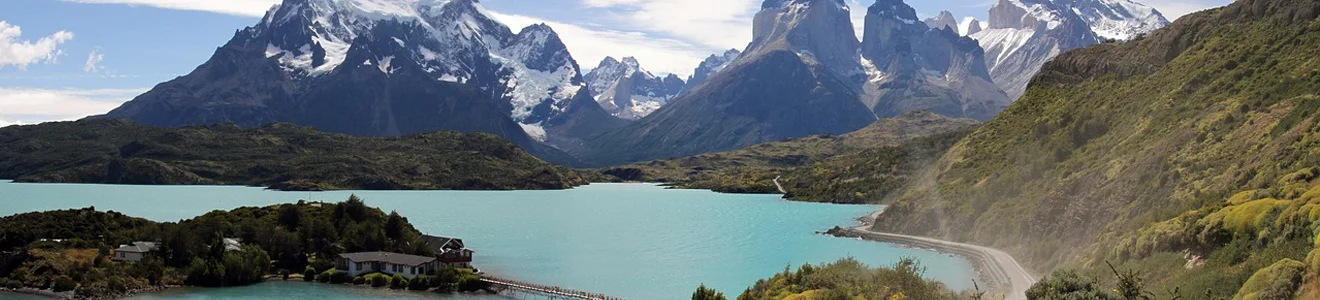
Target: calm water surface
[(629, 240)]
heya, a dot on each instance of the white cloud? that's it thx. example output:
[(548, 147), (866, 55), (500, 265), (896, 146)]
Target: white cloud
[(608, 3), (247, 8), (589, 46), (1174, 9), (714, 25), (28, 105), (4, 123), (93, 61), (23, 53)]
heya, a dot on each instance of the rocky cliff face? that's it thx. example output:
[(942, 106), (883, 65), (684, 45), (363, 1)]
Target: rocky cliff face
[(713, 64), (970, 27), (944, 20), (798, 77), (1024, 34), (626, 90), (817, 30), (377, 67), (913, 67)]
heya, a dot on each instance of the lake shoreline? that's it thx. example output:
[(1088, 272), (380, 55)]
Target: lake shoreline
[(70, 294), (998, 271)]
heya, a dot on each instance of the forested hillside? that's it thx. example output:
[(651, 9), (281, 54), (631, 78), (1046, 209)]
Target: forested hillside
[(280, 156)]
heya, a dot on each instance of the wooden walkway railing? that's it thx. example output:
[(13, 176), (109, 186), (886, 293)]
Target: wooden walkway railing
[(552, 291)]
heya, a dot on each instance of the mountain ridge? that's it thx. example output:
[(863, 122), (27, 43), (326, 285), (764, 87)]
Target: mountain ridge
[(396, 67)]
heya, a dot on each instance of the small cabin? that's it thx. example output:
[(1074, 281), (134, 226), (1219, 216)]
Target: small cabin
[(135, 252), (451, 252)]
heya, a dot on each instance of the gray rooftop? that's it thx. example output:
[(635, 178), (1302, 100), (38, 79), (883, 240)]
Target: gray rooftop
[(138, 247), (440, 244), (387, 257)]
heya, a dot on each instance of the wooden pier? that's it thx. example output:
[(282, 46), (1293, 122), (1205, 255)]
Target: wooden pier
[(550, 291)]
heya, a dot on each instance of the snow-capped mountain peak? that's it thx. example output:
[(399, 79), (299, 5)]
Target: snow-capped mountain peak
[(451, 40), (1024, 34), (969, 26), (945, 19), (709, 67), (626, 90), (1117, 19)]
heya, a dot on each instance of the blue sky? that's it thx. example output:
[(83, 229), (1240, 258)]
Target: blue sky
[(66, 59)]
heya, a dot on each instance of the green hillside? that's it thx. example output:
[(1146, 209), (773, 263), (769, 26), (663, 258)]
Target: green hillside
[(753, 169), (1115, 138), (280, 156)]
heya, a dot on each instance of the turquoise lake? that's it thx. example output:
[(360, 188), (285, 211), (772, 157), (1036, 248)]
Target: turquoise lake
[(636, 241)]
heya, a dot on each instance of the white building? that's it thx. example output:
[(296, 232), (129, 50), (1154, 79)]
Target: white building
[(408, 266), (135, 252), (233, 244)]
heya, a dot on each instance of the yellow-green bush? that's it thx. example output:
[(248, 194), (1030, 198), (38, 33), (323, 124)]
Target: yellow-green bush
[(1250, 217), (1242, 197), (1313, 261), (1278, 281)]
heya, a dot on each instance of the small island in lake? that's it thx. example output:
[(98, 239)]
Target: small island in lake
[(85, 253)]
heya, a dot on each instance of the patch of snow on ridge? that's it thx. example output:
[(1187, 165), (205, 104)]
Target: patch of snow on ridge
[(643, 106), (1042, 13), (873, 74), (536, 131), (1004, 41), (272, 51), (384, 65), (528, 87)]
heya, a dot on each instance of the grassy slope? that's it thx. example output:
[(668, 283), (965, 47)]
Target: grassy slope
[(849, 279), (1114, 137), (753, 169), (282, 156)]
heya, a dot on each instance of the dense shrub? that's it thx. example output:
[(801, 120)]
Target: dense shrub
[(419, 283), (324, 277), (309, 274), (337, 277), (704, 293), (1277, 281), (1067, 284), (470, 283), (398, 282), (1313, 261), (359, 280), (64, 284), (445, 278), (378, 280)]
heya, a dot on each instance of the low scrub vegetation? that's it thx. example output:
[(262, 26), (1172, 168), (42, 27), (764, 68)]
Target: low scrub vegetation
[(847, 279), (811, 166), (280, 156)]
